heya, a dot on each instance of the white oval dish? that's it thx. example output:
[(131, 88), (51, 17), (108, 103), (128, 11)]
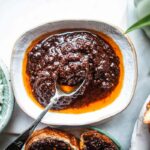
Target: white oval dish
[(121, 102)]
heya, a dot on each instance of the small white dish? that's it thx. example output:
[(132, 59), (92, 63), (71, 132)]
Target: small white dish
[(141, 134), (53, 118)]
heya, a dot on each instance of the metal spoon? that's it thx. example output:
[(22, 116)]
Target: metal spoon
[(19, 142)]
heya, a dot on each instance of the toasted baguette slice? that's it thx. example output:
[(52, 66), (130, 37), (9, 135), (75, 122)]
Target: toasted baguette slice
[(93, 140), (47, 138), (147, 114)]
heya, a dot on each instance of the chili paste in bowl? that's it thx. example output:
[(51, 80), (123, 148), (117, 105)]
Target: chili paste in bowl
[(67, 57), (67, 52)]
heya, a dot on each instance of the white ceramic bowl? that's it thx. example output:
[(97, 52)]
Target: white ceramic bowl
[(121, 102), (141, 135)]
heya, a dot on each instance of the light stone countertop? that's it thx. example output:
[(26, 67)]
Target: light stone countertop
[(19, 16)]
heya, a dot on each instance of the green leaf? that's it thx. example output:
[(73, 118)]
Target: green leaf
[(139, 24)]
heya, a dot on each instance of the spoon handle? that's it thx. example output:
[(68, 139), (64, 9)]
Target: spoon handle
[(19, 142)]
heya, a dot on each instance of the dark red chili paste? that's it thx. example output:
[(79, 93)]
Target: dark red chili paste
[(49, 144), (67, 57), (93, 140)]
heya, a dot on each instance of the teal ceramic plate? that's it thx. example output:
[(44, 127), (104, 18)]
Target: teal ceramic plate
[(78, 131), (6, 96)]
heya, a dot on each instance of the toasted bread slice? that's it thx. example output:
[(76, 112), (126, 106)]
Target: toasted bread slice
[(93, 140), (47, 138), (147, 114)]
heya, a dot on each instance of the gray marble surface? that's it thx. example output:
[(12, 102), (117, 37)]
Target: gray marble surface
[(121, 126)]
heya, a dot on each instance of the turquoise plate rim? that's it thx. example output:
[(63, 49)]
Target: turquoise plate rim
[(10, 103)]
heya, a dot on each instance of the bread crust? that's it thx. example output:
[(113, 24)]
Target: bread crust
[(147, 114), (53, 134), (69, 139), (96, 134)]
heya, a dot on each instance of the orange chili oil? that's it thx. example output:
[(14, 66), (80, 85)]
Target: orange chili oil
[(87, 104)]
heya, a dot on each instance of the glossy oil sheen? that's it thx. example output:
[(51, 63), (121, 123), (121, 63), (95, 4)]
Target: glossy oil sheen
[(86, 108)]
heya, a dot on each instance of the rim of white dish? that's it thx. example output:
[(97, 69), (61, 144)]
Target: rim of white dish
[(10, 104), (91, 120)]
